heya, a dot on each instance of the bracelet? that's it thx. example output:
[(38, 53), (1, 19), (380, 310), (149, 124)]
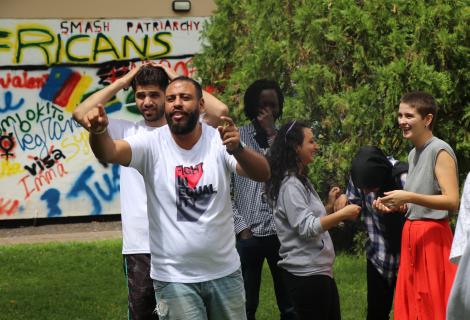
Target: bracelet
[(238, 149), (99, 132)]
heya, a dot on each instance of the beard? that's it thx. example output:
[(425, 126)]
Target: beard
[(159, 112), (183, 127)]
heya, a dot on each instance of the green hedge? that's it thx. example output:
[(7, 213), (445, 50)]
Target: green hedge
[(343, 66)]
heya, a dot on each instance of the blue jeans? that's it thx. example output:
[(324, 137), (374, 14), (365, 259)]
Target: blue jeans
[(219, 299)]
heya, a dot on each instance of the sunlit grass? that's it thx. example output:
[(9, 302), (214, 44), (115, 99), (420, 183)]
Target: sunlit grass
[(85, 281), (349, 273)]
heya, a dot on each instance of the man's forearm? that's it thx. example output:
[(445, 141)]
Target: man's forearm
[(102, 146), (108, 150), (214, 109), (214, 106), (255, 165), (99, 97)]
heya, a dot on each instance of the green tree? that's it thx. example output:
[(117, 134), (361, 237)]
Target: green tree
[(343, 66)]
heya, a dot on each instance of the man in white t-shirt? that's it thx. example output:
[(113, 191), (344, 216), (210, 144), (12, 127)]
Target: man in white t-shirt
[(186, 168), (149, 83)]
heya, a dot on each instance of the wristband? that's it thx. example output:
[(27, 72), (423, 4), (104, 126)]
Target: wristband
[(238, 149), (99, 132)]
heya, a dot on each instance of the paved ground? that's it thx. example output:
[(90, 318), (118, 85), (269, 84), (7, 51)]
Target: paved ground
[(87, 231)]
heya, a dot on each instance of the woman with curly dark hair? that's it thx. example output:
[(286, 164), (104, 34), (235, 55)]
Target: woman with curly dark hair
[(302, 221)]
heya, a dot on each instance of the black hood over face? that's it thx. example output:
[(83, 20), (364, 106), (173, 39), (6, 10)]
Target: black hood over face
[(370, 168)]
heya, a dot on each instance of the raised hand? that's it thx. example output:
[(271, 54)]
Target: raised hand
[(126, 79), (96, 120), (340, 202), (333, 194), (169, 72), (266, 120), (229, 134)]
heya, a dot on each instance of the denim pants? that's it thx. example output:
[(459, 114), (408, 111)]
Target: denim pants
[(219, 299)]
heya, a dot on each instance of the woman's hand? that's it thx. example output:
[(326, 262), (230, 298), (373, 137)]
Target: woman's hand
[(395, 199), (340, 202), (382, 208), (351, 211), (334, 193)]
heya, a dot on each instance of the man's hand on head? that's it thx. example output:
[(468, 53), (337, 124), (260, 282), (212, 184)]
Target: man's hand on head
[(168, 70), (126, 79)]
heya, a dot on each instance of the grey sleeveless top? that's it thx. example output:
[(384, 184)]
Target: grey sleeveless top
[(421, 178)]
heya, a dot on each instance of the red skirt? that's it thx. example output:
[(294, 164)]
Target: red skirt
[(425, 274)]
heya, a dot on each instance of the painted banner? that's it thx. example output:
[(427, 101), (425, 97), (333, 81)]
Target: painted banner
[(47, 67)]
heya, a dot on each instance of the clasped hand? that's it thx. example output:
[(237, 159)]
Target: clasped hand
[(393, 201)]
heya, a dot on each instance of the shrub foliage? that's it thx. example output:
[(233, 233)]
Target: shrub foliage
[(343, 66)]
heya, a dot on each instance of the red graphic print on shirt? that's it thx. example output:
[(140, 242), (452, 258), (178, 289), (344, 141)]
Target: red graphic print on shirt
[(192, 199)]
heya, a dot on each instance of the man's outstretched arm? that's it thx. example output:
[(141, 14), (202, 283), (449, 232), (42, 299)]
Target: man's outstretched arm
[(250, 163), (103, 96), (103, 146)]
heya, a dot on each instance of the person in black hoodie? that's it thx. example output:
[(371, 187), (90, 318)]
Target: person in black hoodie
[(372, 173)]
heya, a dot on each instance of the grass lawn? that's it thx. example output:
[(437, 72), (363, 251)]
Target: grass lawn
[(85, 281), (350, 276)]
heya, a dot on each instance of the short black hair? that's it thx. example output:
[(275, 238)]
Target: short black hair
[(252, 93), (196, 84), (150, 75)]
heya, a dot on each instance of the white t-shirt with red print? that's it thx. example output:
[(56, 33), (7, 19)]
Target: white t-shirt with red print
[(192, 237)]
